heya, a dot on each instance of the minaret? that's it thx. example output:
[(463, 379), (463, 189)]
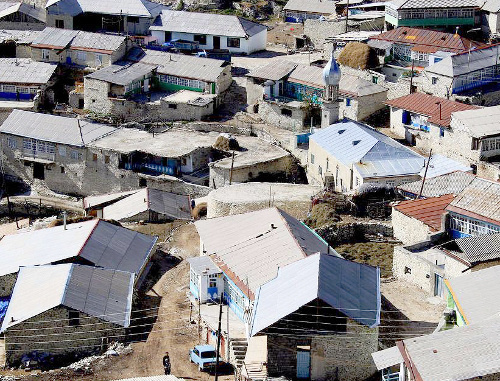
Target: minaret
[(330, 107)]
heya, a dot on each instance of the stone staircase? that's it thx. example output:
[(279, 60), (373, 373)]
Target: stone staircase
[(256, 371), (237, 352)]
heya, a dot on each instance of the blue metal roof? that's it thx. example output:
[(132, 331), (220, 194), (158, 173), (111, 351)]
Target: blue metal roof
[(372, 153), (206, 347)]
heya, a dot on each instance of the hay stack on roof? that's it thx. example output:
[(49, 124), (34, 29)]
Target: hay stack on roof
[(358, 56), (226, 142)]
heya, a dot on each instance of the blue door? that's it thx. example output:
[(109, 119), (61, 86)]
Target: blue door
[(303, 364)]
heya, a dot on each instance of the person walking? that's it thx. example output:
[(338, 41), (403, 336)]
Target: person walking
[(166, 363)]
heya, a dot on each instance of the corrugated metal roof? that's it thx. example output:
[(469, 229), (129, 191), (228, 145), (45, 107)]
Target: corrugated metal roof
[(350, 287), (377, 44), (8, 8), (452, 183), (122, 73), (169, 377), (93, 201), (200, 264), (104, 244), (308, 75), (180, 65), (206, 23), (438, 109), (429, 210), (274, 70), (416, 4), (479, 249), (25, 71), (480, 122), (250, 247), (55, 129), (352, 85), (477, 293), (462, 353), (373, 153), (107, 7), (106, 294), (387, 358), (481, 197), (428, 38), (18, 36), (312, 6), (442, 165), (172, 205), (465, 63)]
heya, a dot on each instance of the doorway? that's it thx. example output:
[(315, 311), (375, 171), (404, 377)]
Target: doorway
[(438, 285), (38, 171), (303, 362), (216, 42)]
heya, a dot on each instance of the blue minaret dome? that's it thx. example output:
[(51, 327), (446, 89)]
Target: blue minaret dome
[(331, 73)]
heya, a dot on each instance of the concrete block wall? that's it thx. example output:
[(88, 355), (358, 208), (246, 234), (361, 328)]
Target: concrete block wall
[(282, 355), (54, 335)]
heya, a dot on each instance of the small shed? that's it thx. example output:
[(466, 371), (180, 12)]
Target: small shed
[(205, 279)]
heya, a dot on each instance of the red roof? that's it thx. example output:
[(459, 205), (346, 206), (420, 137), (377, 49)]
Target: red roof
[(448, 42), (429, 105), (429, 210)]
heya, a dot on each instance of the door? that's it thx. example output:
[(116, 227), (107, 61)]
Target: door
[(38, 171), (168, 36), (303, 363), (438, 285), (146, 85), (216, 42)]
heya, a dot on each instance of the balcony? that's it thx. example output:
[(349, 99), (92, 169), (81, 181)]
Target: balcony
[(42, 157)]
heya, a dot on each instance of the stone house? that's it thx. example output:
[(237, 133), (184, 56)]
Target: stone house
[(490, 19), (49, 148), (416, 220), (94, 243), (349, 154), (445, 355), (282, 248), (132, 17), (62, 310), (21, 16), (211, 31), (299, 11), (16, 43), (84, 49), (24, 80)]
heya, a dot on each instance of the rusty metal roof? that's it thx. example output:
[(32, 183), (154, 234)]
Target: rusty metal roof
[(428, 105), (429, 39), (429, 210)]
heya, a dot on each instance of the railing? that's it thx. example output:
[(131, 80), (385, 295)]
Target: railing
[(39, 155), (391, 377)]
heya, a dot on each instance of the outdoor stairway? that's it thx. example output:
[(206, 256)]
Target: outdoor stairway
[(237, 352), (256, 371)]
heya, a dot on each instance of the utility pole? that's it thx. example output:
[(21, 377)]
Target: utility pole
[(411, 75), (347, 16), (425, 174), (217, 354), (199, 321)]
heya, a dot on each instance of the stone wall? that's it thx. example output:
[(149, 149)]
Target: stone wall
[(342, 232), (50, 332), (362, 107), (409, 230), (271, 113), (7, 283)]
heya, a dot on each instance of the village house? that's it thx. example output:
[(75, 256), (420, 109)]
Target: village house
[(21, 16), (348, 154), (491, 21), (290, 95), (16, 43), (446, 355), (298, 11), (449, 183), (427, 14), (49, 148), (132, 17), (476, 210), (88, 307), (95, 243), (210, 30), (84, 49), (280, 248), (27, 82)]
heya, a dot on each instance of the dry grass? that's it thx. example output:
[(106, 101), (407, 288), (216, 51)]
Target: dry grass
[(373, 253), (70, 220), (321, 214), (225, 143), (358, 56)]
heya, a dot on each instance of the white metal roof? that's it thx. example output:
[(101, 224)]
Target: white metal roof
[(441, 165), (106, 294), (358, 87), (52, 128), (349, 287), (18, 36), (122, 73), (451, 183), (110, 7), (206, 23), (99, 242), (274, 70), (492, 6), (412, 4), (482, 122), (252, 246), (371, 152), (202, 264), (462, 353), (326, 7), (98, 200), (479, 249), (25, 71), (172, 205), (387, 358), (8, 8)]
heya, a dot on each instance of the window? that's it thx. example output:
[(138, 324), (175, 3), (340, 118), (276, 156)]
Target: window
[(312, 159), (357, 181), (75, 155), (233, 42), (74, 318), (133, 19), (94, 157), (106, 159), (471, 226), (81, 56), (390, 183), (62, 169), (286, 112), (212, 281), (474, 144), (201, 38), (142, 183), (173, 106), (348, 102), (11, 142), (62, 151), (491, 144), (375, 79), (45, 54), (320, 170), (59, 24), (434, 80), (99, 58), (441, 132)]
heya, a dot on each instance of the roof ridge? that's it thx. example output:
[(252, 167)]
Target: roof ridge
[(290, 230)]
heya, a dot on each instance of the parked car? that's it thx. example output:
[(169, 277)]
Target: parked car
[(204, 356)]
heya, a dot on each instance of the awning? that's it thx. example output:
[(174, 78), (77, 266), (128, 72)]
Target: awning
[(387, 358)]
